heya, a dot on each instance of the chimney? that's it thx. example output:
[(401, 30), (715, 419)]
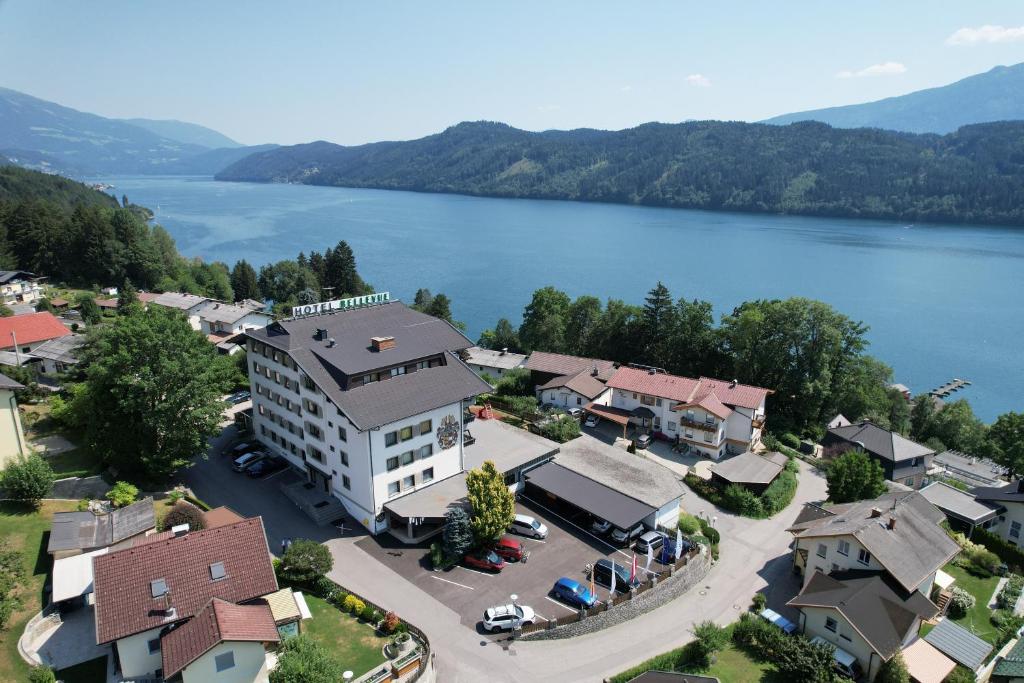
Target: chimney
[(179, 530), (504, 350), (593, 370), (382, 343), (876, 512), (892, 524), (734, 383), (321, 334), (331, 343)]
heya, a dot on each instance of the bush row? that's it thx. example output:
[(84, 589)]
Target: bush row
[(1010, 554), (742, 501)]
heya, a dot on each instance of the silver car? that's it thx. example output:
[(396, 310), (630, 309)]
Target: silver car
[(524, 525), (243, 462)]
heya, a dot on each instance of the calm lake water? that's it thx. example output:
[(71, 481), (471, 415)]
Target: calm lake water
[(942, 301)]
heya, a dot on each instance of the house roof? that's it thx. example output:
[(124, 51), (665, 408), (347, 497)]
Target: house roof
[(178, 300), (494, 358), (220, 516), (562, 364), (283, 606), (959, 644), (148, 297), (30, 328), (218, 622), (11, 275), (911, 551), (671, 677), (106, 303), (634, 475), (125, 604), (709, 403), (62, 349), (881, 442), (1011, 493), (72, 576), (217, 312), (958, 503), (1012, 664), (925, 663), (584, 383), (750, 468), (687, 390), (875, 606), (82, 530), (598, 498), (8, 383)]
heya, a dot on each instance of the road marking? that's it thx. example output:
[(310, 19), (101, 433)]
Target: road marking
[(560, 604), (576, 526), (271, 476), (475, 571), (452, 582), (535, 540)]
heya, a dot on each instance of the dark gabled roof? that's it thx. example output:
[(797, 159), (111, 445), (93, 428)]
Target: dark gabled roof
[(8, 383), (957, 503), (1012, 665), (125, 604), (583, 383), (85, 530), (880, 611), (562, 364), (62, 349), (217, 623), (958, 644), (1011, 493), (881, 442), (9, 275), (671, 677), (596, 498), (750, 468)]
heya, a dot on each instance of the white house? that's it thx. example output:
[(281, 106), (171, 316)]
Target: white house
[(12, 438), (216, 318), (1009, 502), (367, 402), (20, 287), (189, 304), (575, 391), (710, 416), (493, 362)]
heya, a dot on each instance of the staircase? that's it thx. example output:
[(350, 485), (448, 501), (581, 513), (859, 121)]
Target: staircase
[(943, 601), (319, 507)]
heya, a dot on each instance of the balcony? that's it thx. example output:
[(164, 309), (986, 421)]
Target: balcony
[(697, 424)]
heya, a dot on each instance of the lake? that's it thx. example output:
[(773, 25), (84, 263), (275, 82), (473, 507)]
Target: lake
[(942, 301)]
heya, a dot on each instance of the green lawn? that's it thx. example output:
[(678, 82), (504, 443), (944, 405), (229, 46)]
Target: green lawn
[(74, 463), (354, 644), (736, 666), (25, 530), (93, 671), (976, 619)]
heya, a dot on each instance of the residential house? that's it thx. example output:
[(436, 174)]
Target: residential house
[(1010, 667), (904, 461), (1009, 499), (58, 355), (189, 304), (20, 287), (23, 333), (74, 533), (12, 438), (575, 391), (545, 367), (493, 362), (367, 402), (172, 607), (709, 416), (752, 471), (225, 320), (963, 511)]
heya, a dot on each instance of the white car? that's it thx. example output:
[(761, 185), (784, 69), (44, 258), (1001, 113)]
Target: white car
[(524, 525), (506, 617), (592, 420)]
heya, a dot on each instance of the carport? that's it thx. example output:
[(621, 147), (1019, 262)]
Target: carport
[(556, 484), (616, 415)]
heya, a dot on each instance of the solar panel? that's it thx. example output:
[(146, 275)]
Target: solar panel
[(217, 571)]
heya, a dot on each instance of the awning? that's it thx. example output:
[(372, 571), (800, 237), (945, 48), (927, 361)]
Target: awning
[(643, 411), (431, 503), (925, 664), (943, 580), (588, 495), (72, 576), (617, 415)]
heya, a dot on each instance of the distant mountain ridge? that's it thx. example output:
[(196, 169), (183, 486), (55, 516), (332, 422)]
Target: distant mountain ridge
[(184, 132), (996, 95), (973, 175)]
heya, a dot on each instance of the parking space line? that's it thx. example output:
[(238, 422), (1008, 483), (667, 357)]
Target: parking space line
[(274, 474), (560, 604), (535, 540), (573, 524), (476, 571), (453, 583)]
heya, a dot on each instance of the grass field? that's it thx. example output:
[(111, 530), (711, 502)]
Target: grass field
[(976, 620), (354, 644), (74, 463)]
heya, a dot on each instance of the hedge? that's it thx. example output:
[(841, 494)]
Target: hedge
[(1010, 554), (742, 501)]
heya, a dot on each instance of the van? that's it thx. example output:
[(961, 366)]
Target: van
[(652, 540), (524, 525), (243, 462), (845, 663), (623, 537), (602, 573)]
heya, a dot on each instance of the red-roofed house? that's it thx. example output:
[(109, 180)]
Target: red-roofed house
[(25, 332), (147, 593), (710, 416)]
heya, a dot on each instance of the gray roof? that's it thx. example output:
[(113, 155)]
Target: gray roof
[(16, 360), (880, 612), (881, 442), (179, 300), (634, 475), (8, 383), (911, 551), (492, 358), (9, 275), (85, 530), (972, 470), (1012, 663), (958, 644), (671, 677), (62, 349), (958, 503), (562, 364), (432, 502), (506, 446), (1010, 493), (215, 311), (585, 383), (594, 497), (750, 468)]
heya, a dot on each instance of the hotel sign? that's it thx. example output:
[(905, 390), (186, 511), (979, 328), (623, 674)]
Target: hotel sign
[(341, 304)]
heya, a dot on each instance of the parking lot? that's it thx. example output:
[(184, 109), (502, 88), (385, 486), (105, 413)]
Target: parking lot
[(566, 551)]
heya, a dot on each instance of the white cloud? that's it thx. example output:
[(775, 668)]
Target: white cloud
[(698, 80), (986, 34), (883, 69)]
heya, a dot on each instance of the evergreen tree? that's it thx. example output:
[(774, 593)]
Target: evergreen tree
[(493, 505), (457, 537), (1004, 442), (503, 336), (127, 298), (422, 300), (340, 272), (243, 281), (440, 307), (544, 318), (87, 306), (582, 320), (657, 324)]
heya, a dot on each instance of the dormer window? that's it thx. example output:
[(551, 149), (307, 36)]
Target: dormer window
[(217, 571), (158, 588)]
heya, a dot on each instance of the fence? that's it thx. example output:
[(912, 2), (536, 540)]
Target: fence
[(604, 606)]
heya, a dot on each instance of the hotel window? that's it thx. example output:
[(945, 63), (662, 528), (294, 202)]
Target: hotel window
[(391, 438), (408, 457), (408, 482), (657, 402), (709, 437), (831, 624), (844, 548), (822, 550), (647, 400), (395, 372), (394, 488), (425, 451), (346, 482), (342, 434), (344, 457), (426, 427), (428, 474), (308, 383), (863, 556), (392, 464), (1015, 529), (423, 365), (405, 433), (316, 454), (671, 426)]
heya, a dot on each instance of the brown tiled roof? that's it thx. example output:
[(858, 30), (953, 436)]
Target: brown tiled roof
[(561, 364), (584, 383), (221, 516), (218, 622), (122, 580), (686, 389)]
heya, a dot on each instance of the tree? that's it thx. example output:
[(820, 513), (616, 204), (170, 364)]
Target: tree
[(305, 560), (422, 300), (122, 494), (340, 272), (921, 413), (87, 306), (544, 319), (127, 298), (893, 671), (957, 427), (27, 478), (45, 305), (582, 320), (806, 662), (709, 639), (303, 660), (243, 281), (6, 311), (457, 537), (184, 512), (1004, 442), (440, 306), (657, 325), (41, 674), (152, 392), (492, 503), (503, 336), (854, 476)]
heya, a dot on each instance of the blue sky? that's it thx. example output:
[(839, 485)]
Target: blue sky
[(357, 72)]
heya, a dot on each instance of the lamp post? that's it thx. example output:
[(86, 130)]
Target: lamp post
[(515, 615), (347, 676)]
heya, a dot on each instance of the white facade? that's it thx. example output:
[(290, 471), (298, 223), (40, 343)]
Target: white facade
[(1010, 524), (21, 291), (833, 627), (12, 438), (139, 655), (564, 397), (829, 554), (208, 324), (248, 664)]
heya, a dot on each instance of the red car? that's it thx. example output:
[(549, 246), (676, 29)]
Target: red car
[(509, 549), (484, 559)]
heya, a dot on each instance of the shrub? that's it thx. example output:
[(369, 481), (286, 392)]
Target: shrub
[(770, 442), (780, 492), (561, 429), (742, 501), (1007, 597), (959, 603), (985, 560), (183, 513), (710, 638), (303, 660), (1012, 555), (688, 523), (83, 505), (759, 603), (123, 493), (27, 479), (338, 599), (391, 622), (368, 614), (41, 674), (175, 496), (305, 560), (961, 674), (712, 533), (323, 587), (893, 671), (353, 605), (790, 439)]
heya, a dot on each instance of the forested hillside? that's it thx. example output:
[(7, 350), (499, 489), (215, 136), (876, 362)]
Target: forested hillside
[(973, 175)]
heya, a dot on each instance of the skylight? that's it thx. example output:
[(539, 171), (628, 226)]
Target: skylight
[(217, 571), (158, 588)]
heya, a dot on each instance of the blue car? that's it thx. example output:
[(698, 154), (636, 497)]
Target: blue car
[(667, 554), (574, 593)]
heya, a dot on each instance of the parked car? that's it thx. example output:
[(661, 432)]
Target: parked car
[(266, 467), (484, 559), (600, 526), (623, 537), (643, 441), (547, 407), (845, 663), (668, 551), (509, 549), (574, 593), (243, 462), (524, 525), (651, 539), (239, 397), (507, 617), (591, 421), (241, 449), (577, 413), (603, 575), (773, 617)]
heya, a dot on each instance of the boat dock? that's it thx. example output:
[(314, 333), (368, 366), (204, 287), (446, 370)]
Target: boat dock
[(949, 387)]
